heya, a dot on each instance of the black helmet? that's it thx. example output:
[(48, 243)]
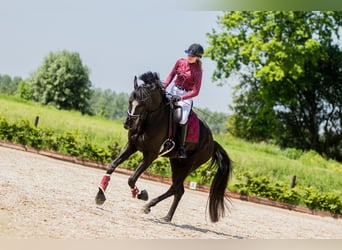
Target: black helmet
[(195, 49)]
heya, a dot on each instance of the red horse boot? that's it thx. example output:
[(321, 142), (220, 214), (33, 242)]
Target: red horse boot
[(134, 191), (100, 197), (141, 195), (104, 182)]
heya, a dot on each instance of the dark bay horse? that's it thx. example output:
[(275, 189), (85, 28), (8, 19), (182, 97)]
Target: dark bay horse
[(148, 128)]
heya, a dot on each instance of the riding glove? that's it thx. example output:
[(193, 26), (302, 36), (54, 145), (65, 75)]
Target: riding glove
[(176, 98)]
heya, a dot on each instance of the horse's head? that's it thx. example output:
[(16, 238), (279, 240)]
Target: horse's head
[(145, 99)]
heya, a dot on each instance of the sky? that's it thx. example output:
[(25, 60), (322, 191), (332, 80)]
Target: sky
[(116, 40)]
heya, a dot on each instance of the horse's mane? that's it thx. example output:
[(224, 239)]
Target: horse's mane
[(151, 82), (150, 78)]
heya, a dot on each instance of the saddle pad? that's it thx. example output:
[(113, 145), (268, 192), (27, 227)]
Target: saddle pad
[(193, 128)]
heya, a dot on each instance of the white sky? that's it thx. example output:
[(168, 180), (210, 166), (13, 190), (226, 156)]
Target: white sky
[(115, 39)]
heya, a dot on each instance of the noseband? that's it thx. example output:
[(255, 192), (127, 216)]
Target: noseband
[(136, 116), (131, 117)]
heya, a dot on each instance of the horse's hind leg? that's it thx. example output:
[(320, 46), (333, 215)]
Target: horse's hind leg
[(177, 197), (178, 193), (155, 201)]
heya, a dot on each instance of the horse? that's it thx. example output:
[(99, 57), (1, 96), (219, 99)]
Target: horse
[(148, 123)]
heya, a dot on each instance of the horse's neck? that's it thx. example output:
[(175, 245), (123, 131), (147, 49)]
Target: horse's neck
[(158, 119), (155, 124)]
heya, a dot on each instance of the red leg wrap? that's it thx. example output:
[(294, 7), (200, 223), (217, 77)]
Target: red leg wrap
[(134, 191), (104, 182)]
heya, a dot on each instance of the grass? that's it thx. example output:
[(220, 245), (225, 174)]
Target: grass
[(263, 159), (311, 170), (99, 130)]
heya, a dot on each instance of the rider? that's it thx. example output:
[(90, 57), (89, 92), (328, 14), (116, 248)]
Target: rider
[(187, 85)]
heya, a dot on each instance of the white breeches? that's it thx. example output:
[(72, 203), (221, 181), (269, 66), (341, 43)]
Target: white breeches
[(185, 105)]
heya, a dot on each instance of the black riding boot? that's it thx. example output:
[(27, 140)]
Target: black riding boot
[(182, 133)]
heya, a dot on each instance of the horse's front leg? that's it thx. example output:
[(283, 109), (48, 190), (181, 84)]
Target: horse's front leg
[(124, 154), (143, 165)]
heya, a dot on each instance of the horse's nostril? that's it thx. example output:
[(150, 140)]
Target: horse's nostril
[(126, 124)]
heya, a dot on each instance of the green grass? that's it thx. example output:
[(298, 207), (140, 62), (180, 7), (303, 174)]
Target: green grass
[(263, 159), (99, 130), (311, 170)]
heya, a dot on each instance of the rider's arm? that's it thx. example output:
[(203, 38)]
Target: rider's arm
[(171, 75), (196, 87)]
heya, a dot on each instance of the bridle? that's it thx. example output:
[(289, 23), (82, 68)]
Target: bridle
[(146, 112), (136, 116), (132, 116)]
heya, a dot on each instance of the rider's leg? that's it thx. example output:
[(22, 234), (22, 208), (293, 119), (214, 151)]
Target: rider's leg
[(183, 124), (186, 107), (182, 137)]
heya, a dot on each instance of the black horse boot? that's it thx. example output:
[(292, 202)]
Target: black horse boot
[(182, 133)]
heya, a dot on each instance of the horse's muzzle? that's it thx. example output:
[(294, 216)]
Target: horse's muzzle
[(127, 123), (131, 118)]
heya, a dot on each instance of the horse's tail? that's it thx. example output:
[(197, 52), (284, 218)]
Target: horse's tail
[(218, 196)]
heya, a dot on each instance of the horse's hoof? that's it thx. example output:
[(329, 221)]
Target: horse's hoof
[(166, 219), (100, 197), (146, 209), (143, 195)]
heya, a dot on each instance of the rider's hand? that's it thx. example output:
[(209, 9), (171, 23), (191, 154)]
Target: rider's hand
[(176, 98)]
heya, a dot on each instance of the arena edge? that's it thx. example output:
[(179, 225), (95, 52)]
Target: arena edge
[(74, 146)]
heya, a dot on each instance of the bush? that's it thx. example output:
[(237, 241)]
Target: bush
[(21, 133), (69, 142), (293, 153), (326, 202), (261, 186)]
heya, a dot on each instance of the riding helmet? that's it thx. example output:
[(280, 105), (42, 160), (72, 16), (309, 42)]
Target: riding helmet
[(195, 49)]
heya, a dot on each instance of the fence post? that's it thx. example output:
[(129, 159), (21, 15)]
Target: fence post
[(36, 121), (293, 184)]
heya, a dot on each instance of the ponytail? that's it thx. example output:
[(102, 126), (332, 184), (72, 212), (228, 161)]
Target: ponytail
[(199, 62)]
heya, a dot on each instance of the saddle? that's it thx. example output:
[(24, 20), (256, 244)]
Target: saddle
[(192, 134)]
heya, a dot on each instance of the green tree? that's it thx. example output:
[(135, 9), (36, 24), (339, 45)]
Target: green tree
[(63, 81), (289, 69), (8, 85), (109, 104), (215, 120), (24, 91)]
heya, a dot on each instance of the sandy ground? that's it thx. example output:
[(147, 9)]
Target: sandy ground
[(44, 198)]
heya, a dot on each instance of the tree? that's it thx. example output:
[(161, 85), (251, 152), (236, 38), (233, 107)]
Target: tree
[(215, 120), (8, 85), (290, 73), (24, 91), (63, 81), (109, 104)]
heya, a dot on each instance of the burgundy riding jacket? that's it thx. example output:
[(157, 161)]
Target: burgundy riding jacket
[(189, 77)]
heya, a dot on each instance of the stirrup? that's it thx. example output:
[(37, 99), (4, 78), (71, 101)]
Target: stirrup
[(166, 147)]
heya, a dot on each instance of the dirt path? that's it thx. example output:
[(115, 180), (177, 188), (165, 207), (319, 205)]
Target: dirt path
[(43, 198)]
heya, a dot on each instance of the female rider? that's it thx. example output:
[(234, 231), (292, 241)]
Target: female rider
[(187, 85)]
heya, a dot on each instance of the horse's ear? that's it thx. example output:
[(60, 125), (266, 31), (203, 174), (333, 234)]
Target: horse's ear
[(135, 82)]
